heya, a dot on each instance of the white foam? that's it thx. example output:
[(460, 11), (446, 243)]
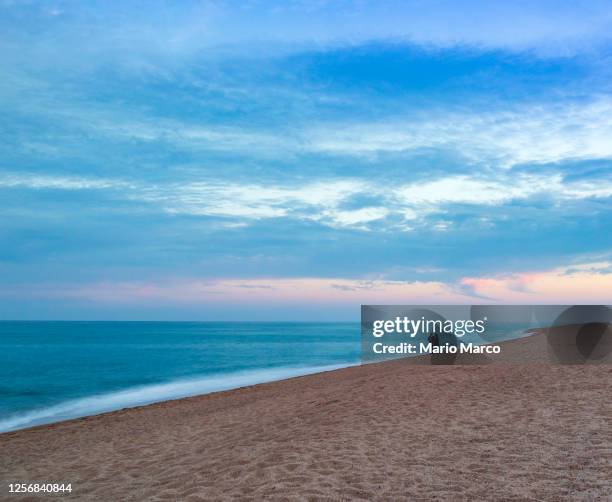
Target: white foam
[(138, 396)]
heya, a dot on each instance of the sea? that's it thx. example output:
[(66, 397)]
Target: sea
[(53, 371)]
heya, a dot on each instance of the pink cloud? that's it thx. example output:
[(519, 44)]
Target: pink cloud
[(586, 283)]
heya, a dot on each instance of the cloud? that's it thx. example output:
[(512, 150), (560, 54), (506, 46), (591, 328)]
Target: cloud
[(355, 217), (497, 189), (469, 190), (588, 283), (523, 134), (509, 135), (323, 200), (54, 182), (317, 201), (312, 200), (267, 291)]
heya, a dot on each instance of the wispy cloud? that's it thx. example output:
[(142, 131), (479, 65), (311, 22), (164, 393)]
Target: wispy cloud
[(255, 291), (325, 201), (54, 182), (507, 136), (527, 134), (587, 284)]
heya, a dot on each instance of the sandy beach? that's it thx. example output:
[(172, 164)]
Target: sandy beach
[(391, 431)]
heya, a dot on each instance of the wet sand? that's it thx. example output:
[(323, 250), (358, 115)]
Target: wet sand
[(391, 431)]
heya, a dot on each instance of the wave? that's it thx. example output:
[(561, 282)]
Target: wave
[(138, 396)]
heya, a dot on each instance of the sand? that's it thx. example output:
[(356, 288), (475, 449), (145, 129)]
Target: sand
[(389, 431)]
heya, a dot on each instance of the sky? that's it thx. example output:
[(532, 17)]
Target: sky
[(254, 160)]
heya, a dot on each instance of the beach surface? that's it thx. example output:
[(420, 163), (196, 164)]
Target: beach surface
[(400, 430)]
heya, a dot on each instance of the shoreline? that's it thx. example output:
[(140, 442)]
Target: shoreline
[(280, 374), (217, 383), (395, 430)]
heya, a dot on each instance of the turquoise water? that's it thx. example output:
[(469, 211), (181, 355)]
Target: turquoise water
[(51, 371)]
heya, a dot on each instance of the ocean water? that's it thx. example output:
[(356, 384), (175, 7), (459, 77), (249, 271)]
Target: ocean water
[(52, 371)]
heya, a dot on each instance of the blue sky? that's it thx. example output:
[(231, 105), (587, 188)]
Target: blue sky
[(291, 160)]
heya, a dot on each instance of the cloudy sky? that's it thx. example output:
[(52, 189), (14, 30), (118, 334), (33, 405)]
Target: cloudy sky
[(292, 160)]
